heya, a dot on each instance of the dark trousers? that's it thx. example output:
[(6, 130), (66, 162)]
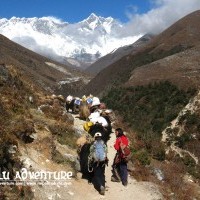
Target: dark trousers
[(120, 169), (123, 172), (99, 175)]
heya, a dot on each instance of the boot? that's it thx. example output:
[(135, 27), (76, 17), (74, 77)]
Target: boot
[(102, 190), (114, 179)]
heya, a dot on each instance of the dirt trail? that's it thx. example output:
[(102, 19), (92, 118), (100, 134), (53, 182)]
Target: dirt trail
[(37, 156), (135, 190)]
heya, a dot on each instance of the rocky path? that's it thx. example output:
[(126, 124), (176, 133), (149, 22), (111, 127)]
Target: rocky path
[(36, 155), (135, 190)]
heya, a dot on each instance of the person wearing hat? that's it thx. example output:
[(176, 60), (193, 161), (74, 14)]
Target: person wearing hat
[(98, 152)]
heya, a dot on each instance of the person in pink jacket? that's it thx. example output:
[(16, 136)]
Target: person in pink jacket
[(120, 171)]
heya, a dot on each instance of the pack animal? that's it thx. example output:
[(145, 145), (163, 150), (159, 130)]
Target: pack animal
[(85, 160), (73, 104)]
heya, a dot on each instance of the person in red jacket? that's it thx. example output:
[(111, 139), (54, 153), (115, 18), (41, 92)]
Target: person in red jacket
[(120, 170)]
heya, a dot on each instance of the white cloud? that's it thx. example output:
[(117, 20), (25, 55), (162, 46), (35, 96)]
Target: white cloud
[(163, 14), (131, 10), (54, 19), (31, 44)]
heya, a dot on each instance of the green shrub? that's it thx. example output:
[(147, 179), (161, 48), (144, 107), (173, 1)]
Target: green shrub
[(182, 140), (159, 152), (148, 108), (192, 168), (143, 157), (189, 161), (192, 119)]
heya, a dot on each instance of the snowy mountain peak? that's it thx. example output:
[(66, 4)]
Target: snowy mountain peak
[(92, 18), (85, 41), (24, 19), (97, 22)]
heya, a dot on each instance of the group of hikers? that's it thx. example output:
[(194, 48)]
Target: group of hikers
[(93, 155)]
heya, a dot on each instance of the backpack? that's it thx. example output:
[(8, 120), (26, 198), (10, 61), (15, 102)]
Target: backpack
[(98, 151), (125, 152)]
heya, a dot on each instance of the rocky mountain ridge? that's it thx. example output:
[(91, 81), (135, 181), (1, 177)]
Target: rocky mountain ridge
[(181, 36), (77, 44)]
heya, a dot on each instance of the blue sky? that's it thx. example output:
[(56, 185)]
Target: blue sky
[(72, 10), (138, 16)]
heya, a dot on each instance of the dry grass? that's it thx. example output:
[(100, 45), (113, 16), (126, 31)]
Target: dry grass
[(19, 118), (174, 185)]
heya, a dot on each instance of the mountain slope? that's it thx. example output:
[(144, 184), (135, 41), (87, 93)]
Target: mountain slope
[(182, 35), (45, 72), (181, 69), (39, 136), (114, 56), (158, 98), (33, 126)]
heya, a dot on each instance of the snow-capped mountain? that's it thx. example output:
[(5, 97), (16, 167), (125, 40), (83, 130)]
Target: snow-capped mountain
[(85, 41)]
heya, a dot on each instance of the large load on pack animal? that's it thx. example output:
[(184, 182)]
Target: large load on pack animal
[(87, 126), (95, 104), (100, 124), (72, 103), (84, 111)]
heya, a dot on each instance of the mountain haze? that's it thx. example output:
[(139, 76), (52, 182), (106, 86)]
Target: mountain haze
[(115, 55)]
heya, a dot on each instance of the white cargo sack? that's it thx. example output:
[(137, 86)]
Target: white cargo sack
[(94, 116), (102, 121), (95, 101), (69, 98)]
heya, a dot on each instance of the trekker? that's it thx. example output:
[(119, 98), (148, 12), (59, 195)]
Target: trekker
[(120, 171), (98, 152)]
